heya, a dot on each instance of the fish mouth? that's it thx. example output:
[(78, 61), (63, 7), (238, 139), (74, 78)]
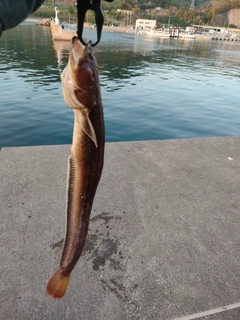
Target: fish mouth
[(79, 51), (82, 65)]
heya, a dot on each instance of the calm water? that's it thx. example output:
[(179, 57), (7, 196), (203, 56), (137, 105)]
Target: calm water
[(152, 88)]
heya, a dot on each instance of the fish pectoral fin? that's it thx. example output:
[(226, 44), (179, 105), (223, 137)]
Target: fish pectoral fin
[(87, 127)]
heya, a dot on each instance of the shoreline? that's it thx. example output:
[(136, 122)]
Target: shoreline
[(105, 28), (235, 33), (33, 20)]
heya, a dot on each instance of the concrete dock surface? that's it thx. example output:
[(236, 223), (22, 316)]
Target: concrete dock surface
[(164, 236)]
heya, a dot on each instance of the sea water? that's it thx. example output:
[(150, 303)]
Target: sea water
[(152, 88)]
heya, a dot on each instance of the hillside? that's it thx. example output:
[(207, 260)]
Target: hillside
[(205, 11), (215, 12)]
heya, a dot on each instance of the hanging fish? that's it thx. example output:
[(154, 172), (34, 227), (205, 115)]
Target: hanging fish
[(81, 90)]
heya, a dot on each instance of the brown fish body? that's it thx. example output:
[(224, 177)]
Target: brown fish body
[(82, 93)]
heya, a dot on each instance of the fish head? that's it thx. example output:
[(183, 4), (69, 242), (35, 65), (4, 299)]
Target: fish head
[(84, 72), (80, 85), (80, 77)]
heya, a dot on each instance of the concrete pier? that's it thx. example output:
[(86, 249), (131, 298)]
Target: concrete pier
[(58, 33), (164, 237)]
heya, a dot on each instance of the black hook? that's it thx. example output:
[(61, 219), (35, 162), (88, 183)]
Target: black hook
[(83, 6)]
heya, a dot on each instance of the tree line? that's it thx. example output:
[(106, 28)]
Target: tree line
[(160, 10)]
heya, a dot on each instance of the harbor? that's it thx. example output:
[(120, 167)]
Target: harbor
[(147, 27), (64, 34)]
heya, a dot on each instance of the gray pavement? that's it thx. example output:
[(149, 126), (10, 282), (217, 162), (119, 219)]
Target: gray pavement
[(164, 238)]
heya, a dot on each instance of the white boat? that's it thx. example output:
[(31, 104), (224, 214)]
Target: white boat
[(154, 33), (187, 35)]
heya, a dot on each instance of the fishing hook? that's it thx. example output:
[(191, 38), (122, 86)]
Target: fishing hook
[(82, 7)]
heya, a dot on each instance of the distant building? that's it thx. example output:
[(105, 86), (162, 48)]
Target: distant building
[(125, 11), (145, 24)]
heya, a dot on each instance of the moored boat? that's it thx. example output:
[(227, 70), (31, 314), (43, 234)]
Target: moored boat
[(187, 35), (155, 33)]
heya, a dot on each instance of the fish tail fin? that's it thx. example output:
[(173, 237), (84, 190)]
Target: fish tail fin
[(57, 285)]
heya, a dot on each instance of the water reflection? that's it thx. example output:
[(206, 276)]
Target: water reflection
[(130, 55), (62, 50), (141, 53), (26, 51)]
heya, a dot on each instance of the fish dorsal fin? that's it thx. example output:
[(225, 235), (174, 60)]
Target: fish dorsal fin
[(87, 127)]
